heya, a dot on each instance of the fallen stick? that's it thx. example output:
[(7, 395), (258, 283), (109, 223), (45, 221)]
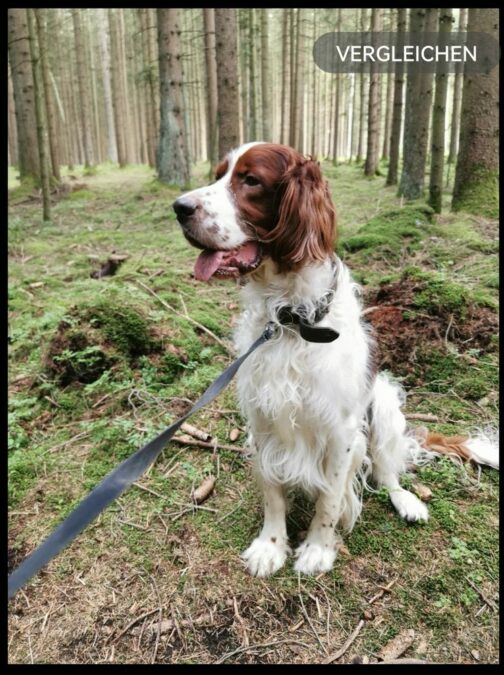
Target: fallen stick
[(187, 440), (422, 417), (385, 589), (337, 655), (489, 602), (195, 432)]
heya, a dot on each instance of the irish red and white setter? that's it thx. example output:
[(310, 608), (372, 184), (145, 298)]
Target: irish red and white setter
[(319, 416)]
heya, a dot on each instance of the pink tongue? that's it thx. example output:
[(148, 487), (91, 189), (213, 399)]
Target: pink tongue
[(208, 263)]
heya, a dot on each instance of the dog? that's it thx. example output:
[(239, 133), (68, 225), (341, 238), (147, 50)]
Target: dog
[(319, 415)]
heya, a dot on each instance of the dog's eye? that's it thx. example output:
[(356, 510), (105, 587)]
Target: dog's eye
[(252, 181)]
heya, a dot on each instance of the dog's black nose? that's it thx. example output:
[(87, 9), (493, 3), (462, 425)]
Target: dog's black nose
[(184, 208)]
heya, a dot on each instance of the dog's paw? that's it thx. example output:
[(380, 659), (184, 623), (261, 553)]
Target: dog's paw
[(265, 556), (314, 558), (409, 506)]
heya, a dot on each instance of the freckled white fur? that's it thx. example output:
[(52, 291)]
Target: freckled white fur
[(219, 207), (306, 406)]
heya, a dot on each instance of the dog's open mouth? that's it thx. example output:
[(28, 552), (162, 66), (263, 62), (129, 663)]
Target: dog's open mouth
[(223, 264)]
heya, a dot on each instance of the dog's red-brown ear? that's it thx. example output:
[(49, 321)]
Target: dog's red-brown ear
[(305, 230)]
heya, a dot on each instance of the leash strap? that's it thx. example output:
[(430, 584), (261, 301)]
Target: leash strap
[(119, 480)]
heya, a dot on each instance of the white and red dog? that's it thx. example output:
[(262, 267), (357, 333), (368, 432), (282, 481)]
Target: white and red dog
[(318, 413)]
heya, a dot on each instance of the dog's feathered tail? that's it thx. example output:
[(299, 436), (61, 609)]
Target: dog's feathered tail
[(395, 447), (482, 447)]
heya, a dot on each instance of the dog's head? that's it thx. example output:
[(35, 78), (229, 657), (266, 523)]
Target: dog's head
[(267, 200)]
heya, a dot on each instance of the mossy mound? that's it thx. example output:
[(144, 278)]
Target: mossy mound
[(422, 316), (392, 230), (90, 339)]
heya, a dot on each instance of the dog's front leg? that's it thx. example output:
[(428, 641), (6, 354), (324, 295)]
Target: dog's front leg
[(268, 552), (338, 504)]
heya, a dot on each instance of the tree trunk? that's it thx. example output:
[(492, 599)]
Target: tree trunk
[(293, 21), (104, 49), (362, 97), (476, 177), (457, 97), (337, 103), (117, 94), (41, 23), (211, 86), (374, 106), (418, 106), (252, 129), (314, 97), (395, 133), (438, 121), (265, 78), (389, 98), (227, 80), (84, 94), (284, 133), (172, 153), (38, 90), (13, 141), (22, 82)]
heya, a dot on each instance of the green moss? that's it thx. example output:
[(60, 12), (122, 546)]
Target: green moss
[(444, 371), (480, 194), (81, 194), (124, 326), (392, 230), (438, 296)]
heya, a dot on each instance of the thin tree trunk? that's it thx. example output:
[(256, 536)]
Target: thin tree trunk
[(395, 134), (211, 86), (389, 99), (284, 116), (13, 148), (293, 20), (457, 97), (362, 98), (38, 90), (104, 51), (227, 80), (374, 108), (252, 130), (22, 81), (84, 97), (438, 120), (41, 21), (314, 97), (117, 94), (172, 154), (265, 78), (476, 177)]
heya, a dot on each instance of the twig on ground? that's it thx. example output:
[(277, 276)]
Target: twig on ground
[(422, 417), (489, 602), (337, 655), (258, 646), (132, 623), (187, 440), (146, 489), (186, 316), (322, 646), (384, 589), (195, 432)]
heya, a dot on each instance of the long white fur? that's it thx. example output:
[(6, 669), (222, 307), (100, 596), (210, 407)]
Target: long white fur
[(307, 404)]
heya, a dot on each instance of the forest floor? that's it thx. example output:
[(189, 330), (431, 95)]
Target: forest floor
[(99, 366)]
